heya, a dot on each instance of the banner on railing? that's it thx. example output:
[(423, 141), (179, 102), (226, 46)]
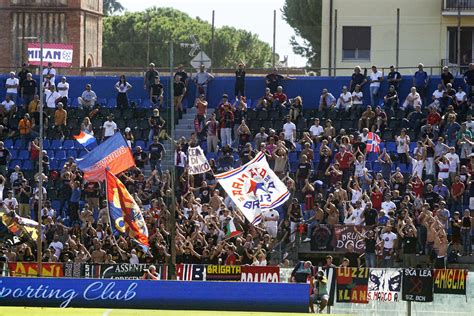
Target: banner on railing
[(124, 271), (190, 272), (30, 269), (260, 274), (384, 285), (223, 273), (352, 285), (417, 285), (450, 281)]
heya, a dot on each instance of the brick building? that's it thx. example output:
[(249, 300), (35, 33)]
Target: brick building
[(77, 22)]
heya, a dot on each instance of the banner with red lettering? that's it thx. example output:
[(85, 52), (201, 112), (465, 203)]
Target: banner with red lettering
[(352, 285), (345, 235), (450, 281), (384, 285), (260, 274), (30, 269), (190, 272)]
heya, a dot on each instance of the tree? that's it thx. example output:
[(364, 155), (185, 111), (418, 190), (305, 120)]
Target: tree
[(126, 40), (304, 16), (112, 6)]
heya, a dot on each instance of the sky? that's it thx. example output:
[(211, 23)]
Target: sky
[(255, 16)]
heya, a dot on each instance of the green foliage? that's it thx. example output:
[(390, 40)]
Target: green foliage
[(304, 16), (125, 40), (112, 6)]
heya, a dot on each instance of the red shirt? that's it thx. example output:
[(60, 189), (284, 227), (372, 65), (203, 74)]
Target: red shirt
[(457, 188), (377, 199), (418, 188), (433, 118), (280, 96), (343, 159), (231, 260)]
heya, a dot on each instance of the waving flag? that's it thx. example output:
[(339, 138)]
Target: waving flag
[(114, 154), (373, 142), (197, 161), (231, 231), (254, 187), (119, 198), (21, 226), (85, 139)]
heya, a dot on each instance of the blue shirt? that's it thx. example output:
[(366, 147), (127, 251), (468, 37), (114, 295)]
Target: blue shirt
[(75, 195), (420, 78)]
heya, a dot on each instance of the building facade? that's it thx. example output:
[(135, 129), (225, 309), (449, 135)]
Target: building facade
[(76, 22), (401, 33)]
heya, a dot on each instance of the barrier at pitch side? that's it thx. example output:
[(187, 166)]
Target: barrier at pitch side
[(236, 296)]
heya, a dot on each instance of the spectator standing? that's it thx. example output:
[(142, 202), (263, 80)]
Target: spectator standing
[(156, 93), (156, 152), (49, 73), (12, 84), (202, 79), (239, 89), (63, 90), (466, 228), (179, 90), (357, 78), (25, 127), (5, 156), (226, 125), (389, 240), (88, 98), (357, 102), (150, 75), (156, 123), (420, 82), (28, 90), (22, 74), (289, 130), (273, 80), (109, 128), (394, 78), (211, 131), (52, 97), (201, 113), (60, 121), (182, 74), (122, 87), (446, 77), (469, 80), (376, 77)]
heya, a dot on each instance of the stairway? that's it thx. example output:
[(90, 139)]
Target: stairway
[(185, 125)]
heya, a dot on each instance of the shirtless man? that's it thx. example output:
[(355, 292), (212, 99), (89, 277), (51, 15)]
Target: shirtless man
[(332, 211), (440, 246), (98, 254)]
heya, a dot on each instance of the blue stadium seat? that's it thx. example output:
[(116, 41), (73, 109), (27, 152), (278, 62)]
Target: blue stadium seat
[(372, 157), (13, 154), (293, 156), (50, 153), (53, 164), (82, 153), (71, 153), (376, 167), (74, 103), (8, 143), (46, 144), (24, 155), (102, 101), (60, 154), (19, 144), (141, 143), (56, 144), (13, 163), (27, 165), (404, 168), (412, 147), (391, 147), (68, 144), (111, 103), (146, 103), (56, 205)]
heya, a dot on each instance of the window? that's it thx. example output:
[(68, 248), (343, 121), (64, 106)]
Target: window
[(356, 42)]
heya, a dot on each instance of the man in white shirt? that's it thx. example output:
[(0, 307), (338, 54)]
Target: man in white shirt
[(417, 163), (8, 106), (344, 102), (88, 98), (109, 128), (454, 162), (270, 219), (437, 95), (388, 205), (316, 130), (389, 240), (11, 84), (470, 123), (50, 72), (289, 130), (63, 90), (375, 78), (52, 97), (10, 202), (261, 137), (201, 79), (56, 245)]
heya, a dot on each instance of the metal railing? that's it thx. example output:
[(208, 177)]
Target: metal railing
[(454, 5)]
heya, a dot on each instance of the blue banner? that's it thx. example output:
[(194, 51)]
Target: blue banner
[(237, 296)]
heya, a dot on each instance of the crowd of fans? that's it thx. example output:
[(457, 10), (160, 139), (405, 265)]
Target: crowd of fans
[(412, 197)]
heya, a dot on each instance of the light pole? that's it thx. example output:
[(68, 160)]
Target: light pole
[(39, 241), (173, 167)]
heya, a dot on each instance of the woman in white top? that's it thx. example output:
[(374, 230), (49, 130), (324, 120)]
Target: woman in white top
[(122, 87), (412, 100), (403, 143), (344, 102), (443, 165), (461, 98), (359, 165), (86, 126), (357, 104)]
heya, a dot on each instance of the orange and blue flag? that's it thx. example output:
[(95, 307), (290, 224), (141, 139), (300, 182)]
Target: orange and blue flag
[(114, 154), (85, 139), (125, 214)]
